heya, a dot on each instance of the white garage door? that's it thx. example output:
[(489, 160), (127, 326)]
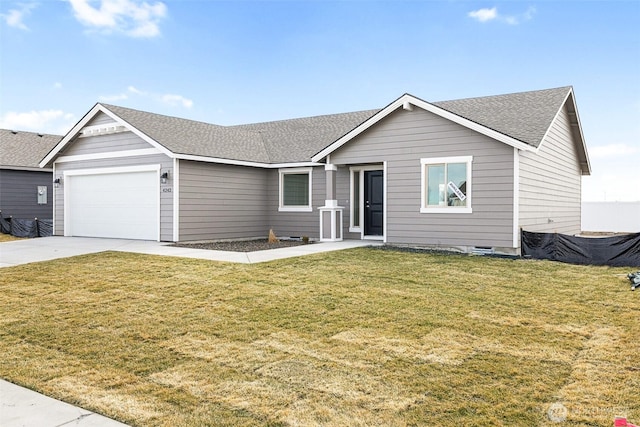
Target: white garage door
[(122, 205)]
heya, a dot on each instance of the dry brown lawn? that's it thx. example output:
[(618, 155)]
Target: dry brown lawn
[(7, 238), (364, 337)]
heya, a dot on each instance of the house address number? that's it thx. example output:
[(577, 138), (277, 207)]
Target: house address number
[(166, 190)]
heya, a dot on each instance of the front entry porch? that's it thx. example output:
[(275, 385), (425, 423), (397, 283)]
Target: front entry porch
[(366, 203)]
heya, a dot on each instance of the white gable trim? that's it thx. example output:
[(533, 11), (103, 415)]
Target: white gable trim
[(577, 125), (245, 163), (77, 130), (176, 200), (516, 197), (108, 155), (406, 100)]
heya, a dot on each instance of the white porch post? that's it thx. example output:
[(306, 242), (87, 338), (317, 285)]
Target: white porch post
[(331, 213)]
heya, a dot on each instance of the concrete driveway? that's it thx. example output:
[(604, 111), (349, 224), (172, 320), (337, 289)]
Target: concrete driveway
[(25, 251)]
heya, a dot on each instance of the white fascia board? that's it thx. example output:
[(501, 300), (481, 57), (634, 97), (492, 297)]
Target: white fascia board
[(584, 145), (516, 197), (70, 135), (107, 155), (111, 170), (176, 200), (407, 99), (567, 98), (140, 134), (75, 131), (358, 130), (244, 162), (473, 125)]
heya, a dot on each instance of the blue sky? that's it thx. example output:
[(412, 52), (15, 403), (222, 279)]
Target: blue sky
[(233, 62)]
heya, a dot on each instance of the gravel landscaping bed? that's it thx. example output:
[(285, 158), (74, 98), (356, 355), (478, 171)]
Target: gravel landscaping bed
[(242, 245)]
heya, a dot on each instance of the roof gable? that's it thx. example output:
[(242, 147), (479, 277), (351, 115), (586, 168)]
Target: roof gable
[(520, 120)]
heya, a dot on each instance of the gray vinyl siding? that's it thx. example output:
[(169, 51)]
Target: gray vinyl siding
[(100, 119), (402, 139), (122, 141), (220, 202), (550, 182), (101, 144), (18, 194), (295, 224)]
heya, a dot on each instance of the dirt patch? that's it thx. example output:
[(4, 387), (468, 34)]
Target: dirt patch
[(242, 245)]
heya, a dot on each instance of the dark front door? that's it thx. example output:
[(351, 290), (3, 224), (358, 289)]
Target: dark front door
[(373, 203)]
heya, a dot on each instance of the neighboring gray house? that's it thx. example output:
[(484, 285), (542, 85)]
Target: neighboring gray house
[(25, 188), (456, 174)]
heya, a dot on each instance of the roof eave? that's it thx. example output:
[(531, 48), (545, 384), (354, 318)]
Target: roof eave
[(75, 131), (25, 168), (262, 165), (406, 100), (585, 164)]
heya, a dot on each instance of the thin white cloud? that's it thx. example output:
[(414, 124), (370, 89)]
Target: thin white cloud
[(486, 15), (55, 122), (132, 89), (133, 92), (15, 17), (177, 100), (57, 85), (134, 18), (612, 150)]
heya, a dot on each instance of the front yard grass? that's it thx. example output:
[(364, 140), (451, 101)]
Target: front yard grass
[(358, 337), (7, 237)]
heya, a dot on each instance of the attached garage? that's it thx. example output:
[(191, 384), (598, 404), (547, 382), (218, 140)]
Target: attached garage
[(119, 203)]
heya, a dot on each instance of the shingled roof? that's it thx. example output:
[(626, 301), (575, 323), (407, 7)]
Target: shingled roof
[(24, 150), (520, 119), (525, 116), (283, 141)]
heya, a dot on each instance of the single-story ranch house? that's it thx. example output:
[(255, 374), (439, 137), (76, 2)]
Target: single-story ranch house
[(461, 174), (25, 188)]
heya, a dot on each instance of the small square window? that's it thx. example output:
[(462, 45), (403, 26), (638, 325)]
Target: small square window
[(446, 185), (295, 190)]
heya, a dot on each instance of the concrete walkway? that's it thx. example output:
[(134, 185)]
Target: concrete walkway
[(25, 251), (21, 407)]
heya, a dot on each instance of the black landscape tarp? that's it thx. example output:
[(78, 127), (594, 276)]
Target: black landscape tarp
[(616, 251), (26, 227)]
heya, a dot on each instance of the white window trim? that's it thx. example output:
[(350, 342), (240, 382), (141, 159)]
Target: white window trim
[(423, 189), (352, 172), (360, 170), (305, 208)]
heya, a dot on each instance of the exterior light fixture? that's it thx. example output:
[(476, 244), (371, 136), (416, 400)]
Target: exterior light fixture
[(164, 177), (56, 182)]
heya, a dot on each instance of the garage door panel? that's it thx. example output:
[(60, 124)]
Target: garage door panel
[(116, 205)]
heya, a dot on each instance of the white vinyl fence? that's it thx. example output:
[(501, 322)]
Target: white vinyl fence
[(618, 217)]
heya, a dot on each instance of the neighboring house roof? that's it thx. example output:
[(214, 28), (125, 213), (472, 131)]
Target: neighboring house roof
[(24, 150), (520, 119)]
